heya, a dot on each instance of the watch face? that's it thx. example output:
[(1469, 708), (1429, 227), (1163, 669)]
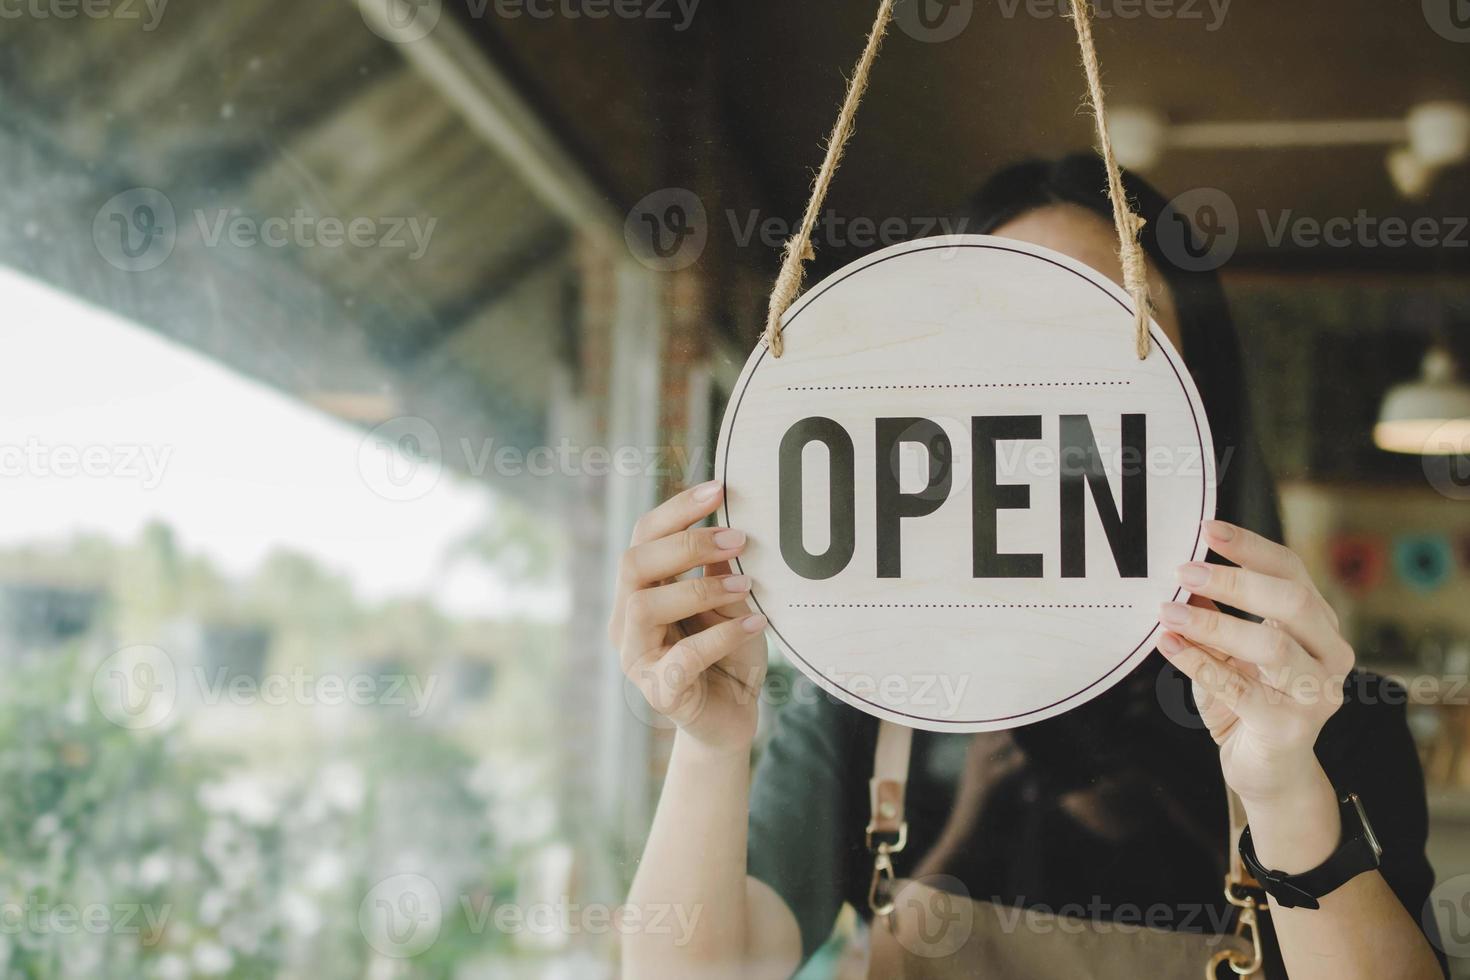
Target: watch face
[(1368, 834)]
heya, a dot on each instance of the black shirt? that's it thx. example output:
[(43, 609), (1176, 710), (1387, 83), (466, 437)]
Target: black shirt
[(1114, 812)]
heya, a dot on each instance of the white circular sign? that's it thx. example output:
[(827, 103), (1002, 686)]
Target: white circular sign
[(965, 496)]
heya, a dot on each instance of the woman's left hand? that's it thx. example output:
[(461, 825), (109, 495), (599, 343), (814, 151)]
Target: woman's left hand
[(1264, 689)]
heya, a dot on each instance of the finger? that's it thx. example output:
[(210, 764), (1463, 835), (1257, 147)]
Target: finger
[(694, 654), (1250, 550), (678, 512), (674, 554), (736, 609), (697, 546), (670, 682), (1296, 606), (651, 611), (675, 514), (1219, 719), (1219, 681), (1280, 660), (1203, 701), (1334, 667)]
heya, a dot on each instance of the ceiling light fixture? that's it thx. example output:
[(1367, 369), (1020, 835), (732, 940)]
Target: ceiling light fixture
[(1428, 138), (1429, 416)]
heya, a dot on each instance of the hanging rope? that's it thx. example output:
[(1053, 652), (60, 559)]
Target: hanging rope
[(1127, 221), (798, 250)]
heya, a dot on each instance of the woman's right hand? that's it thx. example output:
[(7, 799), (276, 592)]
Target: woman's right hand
[(692, 646)]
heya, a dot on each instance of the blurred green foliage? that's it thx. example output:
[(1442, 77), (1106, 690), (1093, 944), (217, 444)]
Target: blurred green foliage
[(244, 842)]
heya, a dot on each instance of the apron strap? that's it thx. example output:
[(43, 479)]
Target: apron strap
[(888, 831), (887, 788)]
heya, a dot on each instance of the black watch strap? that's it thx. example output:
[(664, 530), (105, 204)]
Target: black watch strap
[(1357, 852)]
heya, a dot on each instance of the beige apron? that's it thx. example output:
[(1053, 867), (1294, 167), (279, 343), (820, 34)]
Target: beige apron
[(921, 933)]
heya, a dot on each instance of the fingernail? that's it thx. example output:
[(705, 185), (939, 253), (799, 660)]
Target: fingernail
[(753, 624), (706, 492), (1170, 645), (729, 538), (1195, 574), (737, 583), (1174, 613), (1219, 530)]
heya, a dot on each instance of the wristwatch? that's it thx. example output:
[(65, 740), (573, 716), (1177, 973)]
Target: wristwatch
[(1357, 852)]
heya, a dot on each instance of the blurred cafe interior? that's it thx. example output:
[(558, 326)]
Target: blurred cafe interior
[(347, 340)]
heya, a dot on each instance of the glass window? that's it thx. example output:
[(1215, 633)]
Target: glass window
[(295, 356)]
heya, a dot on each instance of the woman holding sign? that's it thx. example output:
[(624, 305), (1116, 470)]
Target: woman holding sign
[(1112, 813)]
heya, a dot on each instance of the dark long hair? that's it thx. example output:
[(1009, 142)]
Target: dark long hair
[(1134, 724)]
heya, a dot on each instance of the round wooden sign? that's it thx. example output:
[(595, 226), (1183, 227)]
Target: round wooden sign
[(964, 493)]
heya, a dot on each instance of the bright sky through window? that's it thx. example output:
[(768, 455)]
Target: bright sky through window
[(236, 468)]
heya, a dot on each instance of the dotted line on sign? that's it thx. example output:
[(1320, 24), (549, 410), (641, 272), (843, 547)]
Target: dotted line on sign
[(995, 384), (956, 605)]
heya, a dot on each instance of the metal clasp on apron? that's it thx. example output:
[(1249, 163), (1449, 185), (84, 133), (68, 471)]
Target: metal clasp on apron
[(880, 890), (1246, 922)]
